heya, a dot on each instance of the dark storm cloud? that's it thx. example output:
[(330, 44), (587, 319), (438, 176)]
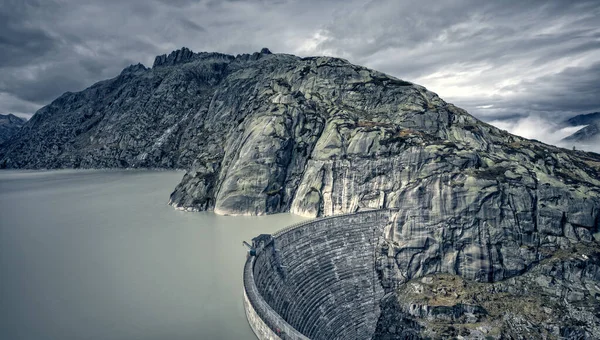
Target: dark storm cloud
[(21, 42), (501, 60), (49, 47), (575, 89), (554, 97), (472, 53), (176, 3)]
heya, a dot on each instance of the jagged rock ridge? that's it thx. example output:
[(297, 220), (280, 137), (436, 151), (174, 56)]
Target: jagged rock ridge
[(9, 126), (267, 133)]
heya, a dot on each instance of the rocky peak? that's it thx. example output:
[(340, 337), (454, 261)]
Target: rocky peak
[(180, 56), (11, 119), (134, 68), (254, 56), (583, 119), (9, 126), (185, 55), (587, 134)]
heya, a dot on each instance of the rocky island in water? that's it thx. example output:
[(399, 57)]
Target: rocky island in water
[(490, 234)]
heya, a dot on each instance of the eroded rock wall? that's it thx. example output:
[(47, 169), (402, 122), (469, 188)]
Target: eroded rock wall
[(557, 299)]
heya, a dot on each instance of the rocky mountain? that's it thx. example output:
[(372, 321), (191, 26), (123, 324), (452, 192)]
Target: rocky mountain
[(585, 134), (9, 126), (584, 119), (318, 136), (141, 118), (588, 133)]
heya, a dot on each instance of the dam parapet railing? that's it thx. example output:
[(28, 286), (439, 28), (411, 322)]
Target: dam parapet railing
[(263, 319), (321, 219)]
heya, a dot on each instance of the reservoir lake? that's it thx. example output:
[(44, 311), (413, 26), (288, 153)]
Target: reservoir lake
[(98, 254)]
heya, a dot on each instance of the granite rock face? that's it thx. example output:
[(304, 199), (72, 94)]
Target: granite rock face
[(556, 299), (9, 126)]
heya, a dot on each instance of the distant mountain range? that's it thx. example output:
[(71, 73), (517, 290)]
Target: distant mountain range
[(587, 133), (9, 125)]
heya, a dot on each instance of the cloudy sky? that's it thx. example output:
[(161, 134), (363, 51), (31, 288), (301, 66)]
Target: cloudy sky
[(518, 64)]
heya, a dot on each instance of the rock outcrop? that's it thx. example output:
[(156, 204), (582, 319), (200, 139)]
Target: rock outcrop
[(9, 126), (556, 299)]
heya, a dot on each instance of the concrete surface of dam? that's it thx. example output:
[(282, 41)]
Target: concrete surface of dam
[(317, 279)]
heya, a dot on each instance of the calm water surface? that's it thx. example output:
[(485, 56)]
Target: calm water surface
[(100, 255)]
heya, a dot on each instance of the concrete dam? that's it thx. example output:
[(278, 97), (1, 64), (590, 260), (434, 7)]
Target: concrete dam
[(317, 279)]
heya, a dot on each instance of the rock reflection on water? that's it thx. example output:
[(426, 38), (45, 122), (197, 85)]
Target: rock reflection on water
[(100, 255)]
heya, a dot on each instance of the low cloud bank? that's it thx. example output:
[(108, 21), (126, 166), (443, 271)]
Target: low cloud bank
[(544, 130)]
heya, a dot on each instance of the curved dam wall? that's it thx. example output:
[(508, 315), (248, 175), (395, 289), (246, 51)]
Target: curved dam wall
[(317, 279)]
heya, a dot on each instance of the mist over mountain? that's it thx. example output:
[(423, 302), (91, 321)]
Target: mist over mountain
[(579, 131), (587, 136), (584, 119)]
